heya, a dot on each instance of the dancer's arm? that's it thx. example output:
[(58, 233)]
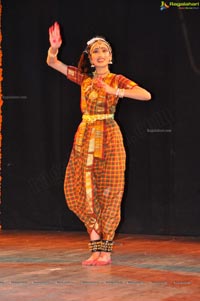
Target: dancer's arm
[(55, 42), (135, 92)]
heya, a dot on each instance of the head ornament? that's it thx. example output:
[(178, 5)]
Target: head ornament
[(92, 41)]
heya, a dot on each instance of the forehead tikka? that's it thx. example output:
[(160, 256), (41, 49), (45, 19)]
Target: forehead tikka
[(91, 43), (99, 44)]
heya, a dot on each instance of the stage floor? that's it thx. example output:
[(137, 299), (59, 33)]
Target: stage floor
[(47, 266)]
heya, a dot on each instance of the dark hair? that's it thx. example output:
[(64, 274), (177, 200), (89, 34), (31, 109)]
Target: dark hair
[(84, 65)]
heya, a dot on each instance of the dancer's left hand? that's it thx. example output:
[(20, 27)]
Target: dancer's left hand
[(101, 84)]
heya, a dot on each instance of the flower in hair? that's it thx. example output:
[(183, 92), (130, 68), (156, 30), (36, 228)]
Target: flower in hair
[(94, 40)]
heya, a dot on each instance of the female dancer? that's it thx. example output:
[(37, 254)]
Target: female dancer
[(94, 179)]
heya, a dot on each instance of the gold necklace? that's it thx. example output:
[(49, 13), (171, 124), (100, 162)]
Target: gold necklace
[(101, 74)]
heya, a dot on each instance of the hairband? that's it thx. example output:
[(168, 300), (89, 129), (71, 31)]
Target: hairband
[(93, 40)]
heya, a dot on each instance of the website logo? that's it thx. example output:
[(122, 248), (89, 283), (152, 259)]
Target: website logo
[(179, 5), (164, 5)]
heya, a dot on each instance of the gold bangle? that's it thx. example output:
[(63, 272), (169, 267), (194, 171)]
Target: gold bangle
[(51, 54)]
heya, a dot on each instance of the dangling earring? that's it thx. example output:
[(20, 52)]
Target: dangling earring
[(92, 65), (110, 62)]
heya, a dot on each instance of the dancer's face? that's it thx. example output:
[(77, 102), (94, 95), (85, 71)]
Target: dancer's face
[(100, 54)]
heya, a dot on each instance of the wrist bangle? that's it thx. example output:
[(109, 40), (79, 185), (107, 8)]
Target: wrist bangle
[(51, 54), (121, 93), (117, 92)]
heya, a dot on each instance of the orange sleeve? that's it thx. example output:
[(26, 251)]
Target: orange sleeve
[(74, 75), (125, 83)]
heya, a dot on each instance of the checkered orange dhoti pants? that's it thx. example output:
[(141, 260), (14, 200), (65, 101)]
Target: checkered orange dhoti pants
[(94, 186)]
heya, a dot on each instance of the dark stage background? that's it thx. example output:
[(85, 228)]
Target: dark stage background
[(157, 49)]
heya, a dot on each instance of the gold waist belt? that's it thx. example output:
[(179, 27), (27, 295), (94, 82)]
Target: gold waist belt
[(92, 118)]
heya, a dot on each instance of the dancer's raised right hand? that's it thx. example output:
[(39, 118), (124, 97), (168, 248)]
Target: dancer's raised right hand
[(55, 36)]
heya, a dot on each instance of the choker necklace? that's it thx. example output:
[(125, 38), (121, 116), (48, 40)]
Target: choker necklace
[(101, 74)]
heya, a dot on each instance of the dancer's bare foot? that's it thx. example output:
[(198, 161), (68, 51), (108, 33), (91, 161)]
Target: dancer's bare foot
[(103, 259), (92, 259), (94, 246)]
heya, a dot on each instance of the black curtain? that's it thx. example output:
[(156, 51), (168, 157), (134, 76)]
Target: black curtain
[(41, 111)]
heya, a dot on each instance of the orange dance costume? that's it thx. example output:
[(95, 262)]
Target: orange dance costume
[(94, 179)]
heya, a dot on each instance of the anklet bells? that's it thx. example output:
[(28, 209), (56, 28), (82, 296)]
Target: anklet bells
[(101, 245), (95, 245)]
